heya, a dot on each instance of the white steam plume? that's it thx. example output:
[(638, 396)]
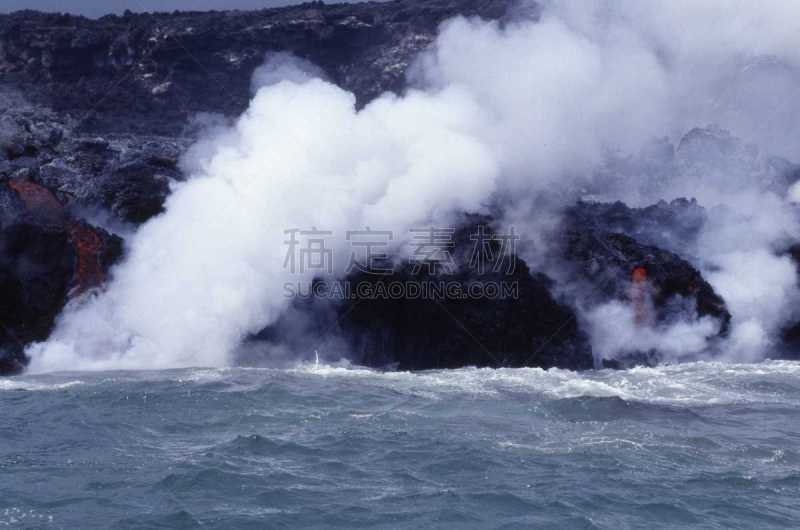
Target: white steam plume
[(500, 112), (211, 269)]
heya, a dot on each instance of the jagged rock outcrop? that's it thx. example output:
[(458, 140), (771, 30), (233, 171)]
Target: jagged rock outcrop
[(148, 73), (790, 334), (46, 257), (110, 104), (607, 263), (672, 226), (533, 327), (126, 175), (486, 313)]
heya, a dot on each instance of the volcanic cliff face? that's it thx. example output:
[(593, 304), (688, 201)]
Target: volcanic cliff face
[(102, 109), (97, 113), (610, 241), (47, 256), (512, 319), (149, 73)]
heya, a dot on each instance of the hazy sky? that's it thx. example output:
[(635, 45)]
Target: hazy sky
[(95, 8)]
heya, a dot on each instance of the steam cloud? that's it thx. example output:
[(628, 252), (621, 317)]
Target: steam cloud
[(498, 115)]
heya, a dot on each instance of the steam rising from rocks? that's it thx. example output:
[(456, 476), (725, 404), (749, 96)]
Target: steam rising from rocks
[(500, 115)]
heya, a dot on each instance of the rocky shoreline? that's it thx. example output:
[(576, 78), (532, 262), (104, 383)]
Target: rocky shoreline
[(96, 117)]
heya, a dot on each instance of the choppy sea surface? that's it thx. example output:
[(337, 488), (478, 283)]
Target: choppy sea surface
[(704, 445)]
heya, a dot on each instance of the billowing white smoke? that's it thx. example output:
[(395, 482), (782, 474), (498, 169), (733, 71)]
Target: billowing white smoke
[(736, 251), (614, 331), (211, 269), (499, 112)]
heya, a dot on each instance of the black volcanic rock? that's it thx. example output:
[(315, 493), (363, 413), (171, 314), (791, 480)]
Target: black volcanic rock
[(532, 328), (148, 73), (125, 174), (608, 261), (605, 263), (36, 268), (528, 329), (790, 334), (672, 226), (45, 258), (525, 327), (107, 102)]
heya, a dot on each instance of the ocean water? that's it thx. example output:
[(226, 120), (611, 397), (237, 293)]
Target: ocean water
[(704, 445)]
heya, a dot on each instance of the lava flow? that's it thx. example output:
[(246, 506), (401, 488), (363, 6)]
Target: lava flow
[(87, 242), (640, 296)]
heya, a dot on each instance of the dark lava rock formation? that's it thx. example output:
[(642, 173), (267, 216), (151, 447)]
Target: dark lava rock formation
[(607, 263), (609, 242), (46, 257), (533, 326), (489, 310), (109, 104), (125, 175), (149, 73), (672, 226)]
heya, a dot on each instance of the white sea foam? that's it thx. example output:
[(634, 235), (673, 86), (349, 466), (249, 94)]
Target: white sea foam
[(689, 384), (21, 384)]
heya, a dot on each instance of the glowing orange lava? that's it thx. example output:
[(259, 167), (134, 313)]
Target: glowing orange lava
[(640, 296), (88, 247), (86, 241)]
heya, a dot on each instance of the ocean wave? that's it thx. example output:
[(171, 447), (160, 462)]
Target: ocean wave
[(15, 384), (697, 383)]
